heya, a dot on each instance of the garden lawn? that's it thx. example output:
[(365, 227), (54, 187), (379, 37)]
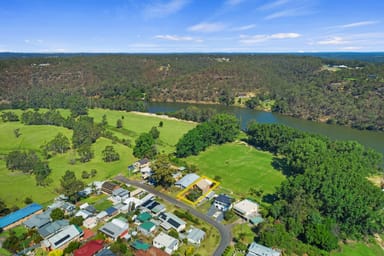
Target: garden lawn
[(240, 167)]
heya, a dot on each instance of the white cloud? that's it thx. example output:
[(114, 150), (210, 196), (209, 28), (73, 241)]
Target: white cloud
[(244, 39), (351, 48), (243, 28), (207, 27), (359, 24), (273, 5), (285, 35), (333, 41), (160, 10), (177, 38)]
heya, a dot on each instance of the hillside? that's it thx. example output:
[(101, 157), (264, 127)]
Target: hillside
[(344, 92), (32, 137)]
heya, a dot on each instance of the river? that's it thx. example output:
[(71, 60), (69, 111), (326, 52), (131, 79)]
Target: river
[(370, 139)]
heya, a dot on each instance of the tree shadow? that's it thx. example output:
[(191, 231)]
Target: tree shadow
[(269, 198), (281, 164)]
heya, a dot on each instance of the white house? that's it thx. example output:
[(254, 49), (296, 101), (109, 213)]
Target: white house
[(246, 209), (171, 221), (195, 236), (120, 194), (65, 236), (169, 243), (256, 249), (90, 222)]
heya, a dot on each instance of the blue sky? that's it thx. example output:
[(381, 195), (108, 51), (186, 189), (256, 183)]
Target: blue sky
[(191, 25)]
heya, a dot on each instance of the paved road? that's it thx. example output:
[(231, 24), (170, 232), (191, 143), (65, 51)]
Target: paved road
[(225, 233)]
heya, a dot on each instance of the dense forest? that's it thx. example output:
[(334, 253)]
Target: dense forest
[(326, 197), (345, 92)]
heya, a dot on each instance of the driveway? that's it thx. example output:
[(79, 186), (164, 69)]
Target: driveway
[(225, 233)]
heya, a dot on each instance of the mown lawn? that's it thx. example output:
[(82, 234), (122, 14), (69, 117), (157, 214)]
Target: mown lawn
[(240, 168), (359, 249)]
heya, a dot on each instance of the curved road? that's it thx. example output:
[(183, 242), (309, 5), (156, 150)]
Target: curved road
[(225, 233)]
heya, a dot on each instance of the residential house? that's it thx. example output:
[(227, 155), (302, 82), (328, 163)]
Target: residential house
[(203, 185), (120, 194), (90, 248), (144, 216), (146, 227), (195, 236), (142, 163), (256, 249), (112, 211), (153, 206), (146, 172), (52, 228), (108, 187), (170, 220), (39, 220), (90, 222), (64, 237), (102, 216), (115, 229), (246, 209), (187, 180), (16, 218), (139, 245), (105, 252), (223, 203), (166, 242), (84, 214)]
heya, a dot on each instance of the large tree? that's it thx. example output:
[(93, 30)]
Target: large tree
[(70, 185), (109, 154), (162, 171), (145, 146)]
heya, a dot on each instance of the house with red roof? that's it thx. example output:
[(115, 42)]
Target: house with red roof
[(90, 248)]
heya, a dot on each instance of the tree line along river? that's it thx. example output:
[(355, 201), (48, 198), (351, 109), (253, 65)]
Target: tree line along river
[(372, 139)]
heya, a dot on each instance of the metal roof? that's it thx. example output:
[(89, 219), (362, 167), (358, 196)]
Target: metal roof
[(256, 249), (195, 235), (19, 214), (187, 180)]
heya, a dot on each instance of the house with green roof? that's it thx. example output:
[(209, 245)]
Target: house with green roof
[(146, 227), (139, 245), (144, 216)]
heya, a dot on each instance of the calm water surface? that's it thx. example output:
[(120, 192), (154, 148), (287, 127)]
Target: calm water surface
[(370, 139)]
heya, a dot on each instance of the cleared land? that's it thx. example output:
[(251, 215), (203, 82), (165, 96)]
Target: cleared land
[(359, 249), (240, 168), (16, 186)]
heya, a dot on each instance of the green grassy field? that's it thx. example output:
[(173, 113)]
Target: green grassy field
[(16, 186), (359, 249), (240, 167)]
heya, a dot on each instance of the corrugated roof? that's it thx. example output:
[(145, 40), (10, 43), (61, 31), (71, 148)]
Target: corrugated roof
[(195, 235), (19, 214), (187, 180), (90, 248), (258, 249)]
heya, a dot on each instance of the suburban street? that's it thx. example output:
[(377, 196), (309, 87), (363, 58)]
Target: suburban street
[(225, 233)]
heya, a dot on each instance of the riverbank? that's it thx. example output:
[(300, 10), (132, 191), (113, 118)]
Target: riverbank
[(161, 116)]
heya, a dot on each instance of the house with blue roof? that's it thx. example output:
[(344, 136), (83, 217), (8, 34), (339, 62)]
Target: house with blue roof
[(16, 218), (223, 203)]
